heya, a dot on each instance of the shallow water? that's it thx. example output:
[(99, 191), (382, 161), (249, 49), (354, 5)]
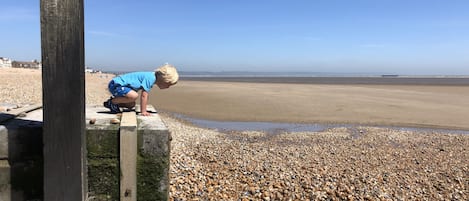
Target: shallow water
[(271, 127)]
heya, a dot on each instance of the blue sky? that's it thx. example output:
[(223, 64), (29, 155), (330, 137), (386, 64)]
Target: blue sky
[(343, 36)]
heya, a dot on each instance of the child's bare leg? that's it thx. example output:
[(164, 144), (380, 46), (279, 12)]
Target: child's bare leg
[(130, 97), (127, 105)]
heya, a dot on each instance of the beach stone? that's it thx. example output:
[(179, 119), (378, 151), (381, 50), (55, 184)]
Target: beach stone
[(115, 121), (5, 107)]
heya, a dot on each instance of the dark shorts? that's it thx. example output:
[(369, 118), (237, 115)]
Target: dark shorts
[(118, 90)]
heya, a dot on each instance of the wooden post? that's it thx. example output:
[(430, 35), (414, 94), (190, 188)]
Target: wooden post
[(63, 80), (128, 157)]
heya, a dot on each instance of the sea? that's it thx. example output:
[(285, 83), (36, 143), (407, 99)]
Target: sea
[(326, 78)]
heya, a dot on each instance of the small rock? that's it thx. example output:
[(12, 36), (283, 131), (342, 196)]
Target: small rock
[(93, 121), (115, 121), (252, 190), (210, 189)]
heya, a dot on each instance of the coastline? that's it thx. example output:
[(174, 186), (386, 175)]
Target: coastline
[(269, 127), (357, 163)]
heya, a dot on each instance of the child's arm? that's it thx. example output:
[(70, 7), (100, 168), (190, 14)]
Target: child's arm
[(143, 103)]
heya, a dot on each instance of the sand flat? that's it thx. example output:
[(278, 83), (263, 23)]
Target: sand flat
[(398, 105)]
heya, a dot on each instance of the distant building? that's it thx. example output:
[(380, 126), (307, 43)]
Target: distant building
[(26, 64), (89, 70), (5, 62)]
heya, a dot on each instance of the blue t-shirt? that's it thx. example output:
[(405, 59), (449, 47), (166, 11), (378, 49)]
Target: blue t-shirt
[(137, 80)]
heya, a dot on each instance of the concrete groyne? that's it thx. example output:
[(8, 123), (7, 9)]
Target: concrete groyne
[(21, 159)]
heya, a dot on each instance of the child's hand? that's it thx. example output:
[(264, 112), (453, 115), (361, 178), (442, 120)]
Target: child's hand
[(145, 114)]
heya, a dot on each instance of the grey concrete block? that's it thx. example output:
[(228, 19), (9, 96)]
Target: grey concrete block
[(4, 172), (3, 142), (103, 154), (21, 137), (5, 180), (155, 136), (21, 170), (5, 192), (24, 140), (153, 164)]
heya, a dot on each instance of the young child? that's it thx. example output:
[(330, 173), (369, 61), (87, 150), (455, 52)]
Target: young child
[(124, 88)]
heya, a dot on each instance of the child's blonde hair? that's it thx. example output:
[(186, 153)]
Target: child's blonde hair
[(168, 73)]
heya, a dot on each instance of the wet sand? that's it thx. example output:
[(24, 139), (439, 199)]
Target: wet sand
[(423, 105), (345, 163)]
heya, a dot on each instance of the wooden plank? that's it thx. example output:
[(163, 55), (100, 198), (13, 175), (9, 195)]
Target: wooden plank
[(5, 116), (128, 157), (63, 81)]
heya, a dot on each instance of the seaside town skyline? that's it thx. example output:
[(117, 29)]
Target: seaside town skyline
[(394, 37), (6, 62)]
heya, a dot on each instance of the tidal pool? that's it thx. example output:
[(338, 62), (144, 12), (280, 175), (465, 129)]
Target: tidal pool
[(272, 127)]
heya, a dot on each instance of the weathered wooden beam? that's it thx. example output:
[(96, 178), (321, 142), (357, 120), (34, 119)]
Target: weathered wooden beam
[(16, 112), (128, 157), (62, 44)]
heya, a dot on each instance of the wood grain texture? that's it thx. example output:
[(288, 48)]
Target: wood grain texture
[(15, 112), (62, 44), (128, 157)]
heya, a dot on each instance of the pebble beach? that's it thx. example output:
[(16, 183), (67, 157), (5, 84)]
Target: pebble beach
[(353, 163)]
